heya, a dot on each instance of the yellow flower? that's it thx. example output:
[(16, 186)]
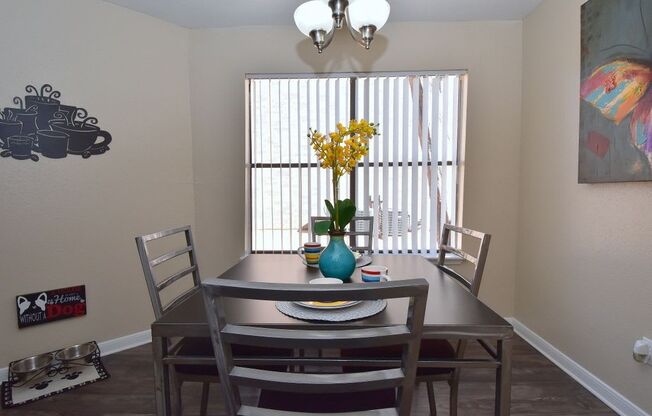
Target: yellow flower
[(341, 150)]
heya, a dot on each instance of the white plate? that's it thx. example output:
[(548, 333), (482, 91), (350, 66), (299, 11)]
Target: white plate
[(325, 281), (328, 305)]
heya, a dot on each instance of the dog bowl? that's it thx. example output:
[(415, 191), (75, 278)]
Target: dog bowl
[(76, 353), (27, 368)]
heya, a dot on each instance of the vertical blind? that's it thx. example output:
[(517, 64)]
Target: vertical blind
[(408, 181)]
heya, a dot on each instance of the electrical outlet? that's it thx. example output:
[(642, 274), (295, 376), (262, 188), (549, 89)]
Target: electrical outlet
[(643, 350)]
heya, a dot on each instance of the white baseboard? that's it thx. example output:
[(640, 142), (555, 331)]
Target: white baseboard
[(110, 346), (114, 345), (616, 401)]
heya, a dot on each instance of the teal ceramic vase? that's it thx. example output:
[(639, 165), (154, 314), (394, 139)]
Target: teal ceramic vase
[(337, 260)]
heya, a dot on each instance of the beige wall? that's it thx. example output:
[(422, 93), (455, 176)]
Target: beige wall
[(583, 280), (73, 221), (491, 51)]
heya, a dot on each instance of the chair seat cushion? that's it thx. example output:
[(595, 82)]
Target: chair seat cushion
[(430, 349), (327, 403), (202, 347)]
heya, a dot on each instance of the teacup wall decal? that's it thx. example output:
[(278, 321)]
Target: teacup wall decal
[(29, 121), (46, 105), (68, 111), (25, 115), (9, 127), (20, 148), (52, 144), (46, 125), (83, 133)]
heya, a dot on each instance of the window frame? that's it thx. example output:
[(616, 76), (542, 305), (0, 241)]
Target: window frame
[(463, 75)]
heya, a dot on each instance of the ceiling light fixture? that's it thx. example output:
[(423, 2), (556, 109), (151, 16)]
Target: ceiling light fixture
[(318, 20)]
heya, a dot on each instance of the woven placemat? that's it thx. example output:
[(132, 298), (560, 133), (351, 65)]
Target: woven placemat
[(362, 310)]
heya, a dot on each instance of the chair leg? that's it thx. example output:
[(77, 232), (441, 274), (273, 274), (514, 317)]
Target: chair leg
[(178, 405), (431, 398), (204, 399), (454, 384)]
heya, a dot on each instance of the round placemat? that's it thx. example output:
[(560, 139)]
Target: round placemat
[(363, 309)]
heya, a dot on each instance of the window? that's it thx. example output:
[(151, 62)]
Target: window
[(408, 182)]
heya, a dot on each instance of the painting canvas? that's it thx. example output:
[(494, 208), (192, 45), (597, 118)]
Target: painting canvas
[(616, 91)]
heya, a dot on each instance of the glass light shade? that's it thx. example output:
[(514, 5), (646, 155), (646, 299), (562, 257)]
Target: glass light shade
[(313, 15), (367, 12)]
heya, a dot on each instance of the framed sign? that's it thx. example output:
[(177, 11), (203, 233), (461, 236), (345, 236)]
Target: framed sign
[(51, 305)]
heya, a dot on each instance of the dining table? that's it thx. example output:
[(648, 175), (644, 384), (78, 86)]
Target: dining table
[(452, 313)]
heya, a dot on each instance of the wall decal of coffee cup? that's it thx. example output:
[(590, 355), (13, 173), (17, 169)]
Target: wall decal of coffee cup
[(52, 144), (44, 124), (69, 112), (25, 115), (83, 133), (20, 148), (46, 105), (9, 126)]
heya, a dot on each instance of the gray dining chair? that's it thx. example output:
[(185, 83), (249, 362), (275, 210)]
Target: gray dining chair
[(472, 283), (302, 393), (360, 228), (433, 349), (185, 346), (183, 284)]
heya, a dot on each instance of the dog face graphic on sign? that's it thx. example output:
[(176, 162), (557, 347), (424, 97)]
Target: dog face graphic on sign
[(52, 305), (24, 303)]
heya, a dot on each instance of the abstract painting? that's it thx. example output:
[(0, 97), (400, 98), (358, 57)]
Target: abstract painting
[(616, 91)]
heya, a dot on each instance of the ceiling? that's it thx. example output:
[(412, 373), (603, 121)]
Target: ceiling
[(221, 13)]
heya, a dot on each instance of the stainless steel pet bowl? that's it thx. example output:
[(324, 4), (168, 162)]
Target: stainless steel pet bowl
[(76, 353), (28, 367)]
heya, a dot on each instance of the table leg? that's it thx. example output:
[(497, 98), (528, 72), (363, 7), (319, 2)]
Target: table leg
[(161, 377), (504, 377)]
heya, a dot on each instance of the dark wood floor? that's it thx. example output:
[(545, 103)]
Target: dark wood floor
[(539, 388)]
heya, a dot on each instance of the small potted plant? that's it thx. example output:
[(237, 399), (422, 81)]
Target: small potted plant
[(340, 151)]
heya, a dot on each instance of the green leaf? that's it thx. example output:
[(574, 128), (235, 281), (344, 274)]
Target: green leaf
[(346, 211), (322, 227), (331, 210)]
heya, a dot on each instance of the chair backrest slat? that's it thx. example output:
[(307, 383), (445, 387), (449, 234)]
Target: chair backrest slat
[(473, 282), (164, 233), (177, 300), (315, 383), (362, 226), (289, 338), (178, 275), (460, 253), (295, 292), (225, 334), (169, 256), (148, 263), (257, 411)]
